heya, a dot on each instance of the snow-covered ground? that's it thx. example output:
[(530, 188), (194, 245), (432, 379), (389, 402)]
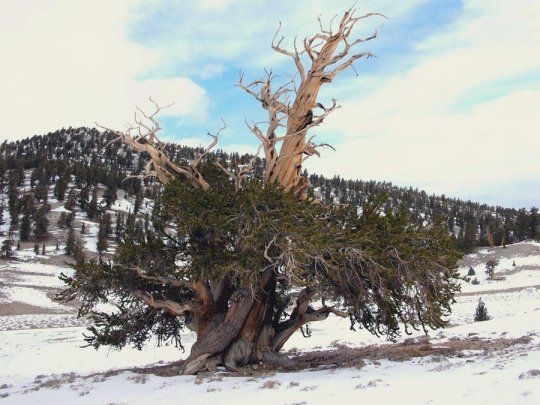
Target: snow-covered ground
[(495, 362)]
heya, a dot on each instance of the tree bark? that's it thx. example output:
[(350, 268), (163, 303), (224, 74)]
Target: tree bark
[(217, 330), (249, 331)]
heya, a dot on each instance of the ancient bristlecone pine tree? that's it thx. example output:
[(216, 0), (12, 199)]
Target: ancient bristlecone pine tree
[(245, 261)]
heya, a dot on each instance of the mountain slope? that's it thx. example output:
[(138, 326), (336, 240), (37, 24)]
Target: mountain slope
[(53, 183)]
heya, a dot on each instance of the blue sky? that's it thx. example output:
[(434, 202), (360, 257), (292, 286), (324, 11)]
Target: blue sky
[(449, 104)]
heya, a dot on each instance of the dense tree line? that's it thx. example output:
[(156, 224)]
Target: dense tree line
[(72, 162)]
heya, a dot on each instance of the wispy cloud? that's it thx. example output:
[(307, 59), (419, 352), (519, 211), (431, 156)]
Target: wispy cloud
[(420, 126), (191, 34), (70, 63)]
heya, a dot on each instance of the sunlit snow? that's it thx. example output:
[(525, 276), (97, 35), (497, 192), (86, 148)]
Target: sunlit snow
[(42, 360)]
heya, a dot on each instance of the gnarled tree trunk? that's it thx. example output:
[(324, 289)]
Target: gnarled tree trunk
[(251, 330)]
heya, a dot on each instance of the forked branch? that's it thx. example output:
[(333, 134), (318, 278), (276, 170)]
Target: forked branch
[(143, 138), (173, 307), (322, 57)]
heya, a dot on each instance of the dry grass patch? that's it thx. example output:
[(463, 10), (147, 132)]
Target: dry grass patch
[(271, 384)]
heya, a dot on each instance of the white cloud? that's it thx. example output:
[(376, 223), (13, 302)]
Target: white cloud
[(213, 4), (410, 130), (240, 32), (69, 63), (211, 70)]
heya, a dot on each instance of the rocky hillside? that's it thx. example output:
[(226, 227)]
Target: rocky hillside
[(67, 192)]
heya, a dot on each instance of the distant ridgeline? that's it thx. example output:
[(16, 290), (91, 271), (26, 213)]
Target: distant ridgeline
[(75, 168)]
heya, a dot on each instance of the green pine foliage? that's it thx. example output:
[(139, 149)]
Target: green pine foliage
[(70, 242), (6, 248), (383, 270), (25, 228), (481, 313), (41, 222), (102, 243)]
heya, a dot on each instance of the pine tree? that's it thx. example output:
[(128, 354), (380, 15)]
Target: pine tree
[(522, 225), (84, 196), (534, 224), (107, 223), (41, 222), (130, 224), (19, 175), (78, 251), (71, 201), (481, 313), (469, 237), (111, 194), (13, 202), (60, 187), (7, 246), (28, 204), (34, 176), (62, 220), (119, 228), (41, 192), (138, 198), (102, 243), (92, 208), (25, 228), (70, 242)]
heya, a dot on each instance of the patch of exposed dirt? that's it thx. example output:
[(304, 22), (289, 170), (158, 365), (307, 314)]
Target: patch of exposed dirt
[(8, 277), (341, 356), (20, 308), (60, 260), (354, 357), (506, 290), (344, 356), (511, 251), (517, 269)]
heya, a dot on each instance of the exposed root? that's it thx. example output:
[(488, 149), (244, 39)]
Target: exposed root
[(278, 360)]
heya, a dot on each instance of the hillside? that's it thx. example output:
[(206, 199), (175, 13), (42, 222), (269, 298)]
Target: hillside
[(66, 196), (74, 181), (494, 361)]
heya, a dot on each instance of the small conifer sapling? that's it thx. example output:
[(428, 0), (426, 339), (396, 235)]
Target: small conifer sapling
[(481, 313)]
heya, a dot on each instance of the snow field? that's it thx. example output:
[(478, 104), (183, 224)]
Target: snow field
[(42, 360)]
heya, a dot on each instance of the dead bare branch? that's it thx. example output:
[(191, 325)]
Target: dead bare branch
[(173, 307), (159, 165), (328, 52)]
